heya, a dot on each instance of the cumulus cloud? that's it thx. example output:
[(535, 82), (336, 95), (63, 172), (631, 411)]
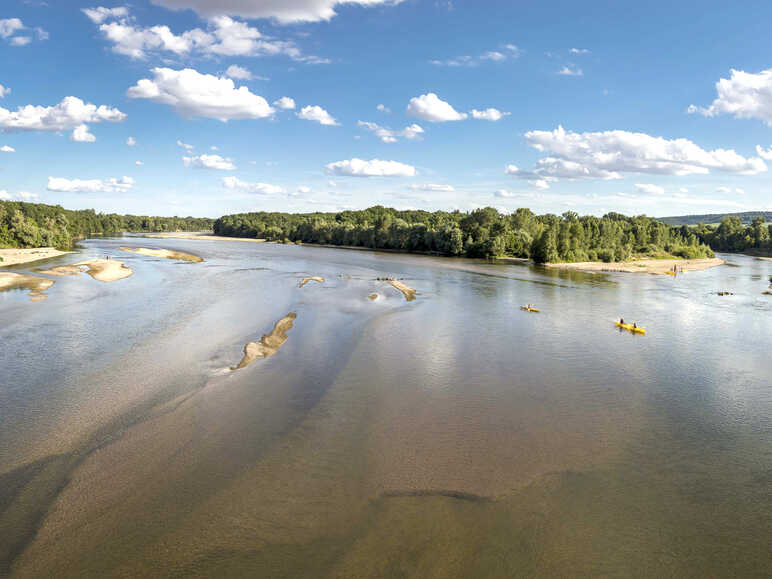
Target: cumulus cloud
[(506, 52), (383, 109), (650, 189), (260, 188), (489, 114), (131, 141), (20, 196), (504, 193), (284, 103), (82, 135), (71, 114), (610, 154), (745, 95), (4, 90), (13, 31), (429, 107), (193, 94), (432, 187), (571, 71), (318, 114), (7, 149), (223, 37), (372, 168), (90, 185), (764, 153), (209, 162), (237, 72), (387, 135), (303, 190), (285, 11)]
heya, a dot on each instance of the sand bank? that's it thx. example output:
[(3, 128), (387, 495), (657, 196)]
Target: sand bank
[(655, 266), (17, 256), (206, 235), (61, 270), (106, 270), (761, 258), (35, 285), (165, 253), (269, 344), (407, 291), (315, 278)]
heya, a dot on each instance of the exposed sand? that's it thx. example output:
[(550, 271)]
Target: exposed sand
[(373, 297), (762, 258), (17, 256), (165, 253), (408, 292), (315, 278), (655, 266), (35, 285), (206, 235), (106, 270), (61, 270), (269, 344)]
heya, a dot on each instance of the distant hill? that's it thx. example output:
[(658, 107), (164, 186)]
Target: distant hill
[(746, 217)]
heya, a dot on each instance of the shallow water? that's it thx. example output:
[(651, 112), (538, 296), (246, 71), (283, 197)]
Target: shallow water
[(453, 435)]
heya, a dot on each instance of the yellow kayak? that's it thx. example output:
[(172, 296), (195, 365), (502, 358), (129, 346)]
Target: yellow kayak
[(670, 273), (631, 328), (527, 309)]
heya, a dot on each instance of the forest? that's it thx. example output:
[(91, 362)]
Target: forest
[(731, 235), (479, 233), (38, 225)]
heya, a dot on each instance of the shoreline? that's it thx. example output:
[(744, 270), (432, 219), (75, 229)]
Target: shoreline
[(205, 235), (16, 256), (651, 266)]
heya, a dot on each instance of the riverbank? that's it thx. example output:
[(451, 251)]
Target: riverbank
[(205, 235), (20, 256), (164, 253), (653, 266)]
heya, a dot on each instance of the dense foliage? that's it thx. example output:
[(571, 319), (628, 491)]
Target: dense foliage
[(746, 217), (731, 235), (480, 233), (38, 225)]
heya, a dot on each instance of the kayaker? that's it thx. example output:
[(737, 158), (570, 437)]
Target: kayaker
[(622, 321), (635, 325)]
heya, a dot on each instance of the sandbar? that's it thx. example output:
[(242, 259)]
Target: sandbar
[(61, 270), (205, 235), (315, 278), (106, 270), (165, 253), (407, 291), (35, 285), (17, 256), (766, 258), (269, 344), (654, 266)]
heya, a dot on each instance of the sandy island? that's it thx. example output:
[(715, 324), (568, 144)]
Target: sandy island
[(35, 285), (269, 344), (105, 270), (165, 253), (206, 235), (17, 256), (766, 258), (407, 291), (654, 266), (315, 278)]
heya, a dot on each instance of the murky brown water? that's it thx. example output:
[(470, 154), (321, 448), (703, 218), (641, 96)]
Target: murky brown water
[(451, 436)]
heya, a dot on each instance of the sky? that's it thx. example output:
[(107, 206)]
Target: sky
[(209, 107)]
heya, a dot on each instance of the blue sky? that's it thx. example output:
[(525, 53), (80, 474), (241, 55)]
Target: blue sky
[(176, 106)]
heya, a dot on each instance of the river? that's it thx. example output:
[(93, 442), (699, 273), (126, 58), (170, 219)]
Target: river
[(453, 435)]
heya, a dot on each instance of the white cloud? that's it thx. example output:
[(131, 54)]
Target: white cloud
[(579, 51), (5, 196), (745, 95), (432, 187), (90, 185), (284, 103), (138, 163), (571, 71), (4, 90), (610, 154), (70, 114), (764, 153), (209, 162), (650, 189), (429, 107), (372, 168), (193, 94), (238, 72), (387, 135), (260, 188), (507, 52), (683, 190), (213, 148), (723, 190), (285, 11), (100, 13), (494, 55), (303, 189), (504, 193), (489, 114), (331, 183), (383, 109), (20, 196), (81, 135), (318, 114), (739, 191), (131, 141), (10, 27), (185, 145), (7, 149)]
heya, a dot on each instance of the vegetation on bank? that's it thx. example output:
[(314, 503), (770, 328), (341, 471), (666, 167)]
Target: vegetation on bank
[(731, 235), (479, 233), (38, 225), (747, 217)]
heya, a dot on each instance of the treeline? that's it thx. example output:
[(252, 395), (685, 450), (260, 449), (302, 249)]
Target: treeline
[(746, 217), (39, 225), (480, 233), (733, 236)]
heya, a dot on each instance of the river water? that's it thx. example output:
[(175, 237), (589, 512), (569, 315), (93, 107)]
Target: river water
[(454, 435)]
